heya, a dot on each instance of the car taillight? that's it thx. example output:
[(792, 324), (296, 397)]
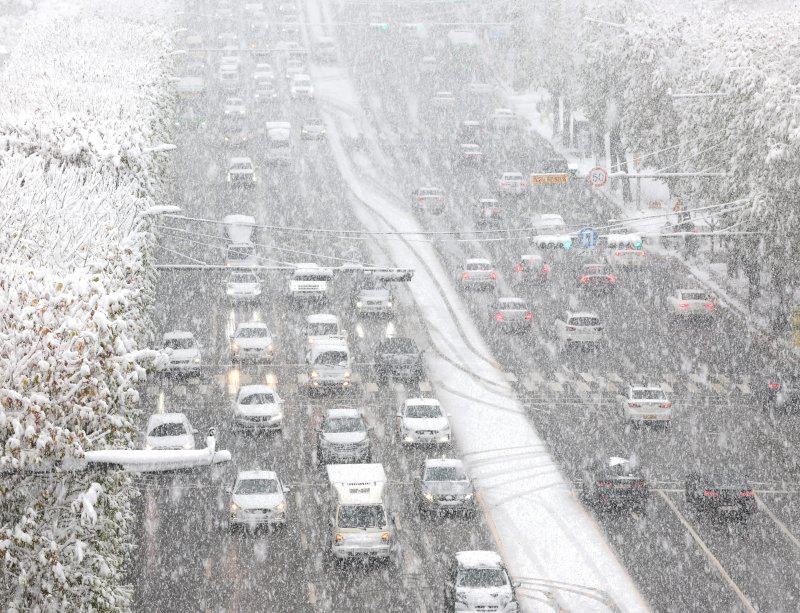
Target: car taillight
[(639, 483), (420, 198), (611, 278), (618, 253), (570, 328), (665, 405), (584, 279), (465, 276), (709, 305), (528, 316), (683, 305), (641, 254), (545, 268), (499, 317), (774, 386), (710, 493), (493, 275), (519, 268), (748, 494), (634, 405), (604, 484)]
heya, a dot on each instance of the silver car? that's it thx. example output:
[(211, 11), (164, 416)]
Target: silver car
[(511, 314), (443, 486)]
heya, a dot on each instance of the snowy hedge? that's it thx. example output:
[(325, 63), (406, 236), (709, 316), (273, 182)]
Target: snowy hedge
[(84, 98)]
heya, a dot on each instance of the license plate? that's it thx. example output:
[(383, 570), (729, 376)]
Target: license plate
[(729, 508), (650, 417)]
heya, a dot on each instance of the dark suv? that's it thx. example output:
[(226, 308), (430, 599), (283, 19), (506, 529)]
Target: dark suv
[(399, 358)]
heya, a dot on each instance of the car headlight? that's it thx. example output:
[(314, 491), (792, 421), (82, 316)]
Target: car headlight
[(339, 538), (277, 417), (148, 447), (235, 507), (428, 496), (346, 374), (445, 438), (197, 360), (281, 506), (385, 537), (358, 304), (269, 347), (389, 304), (314, 374), (188, 445), (235, 347), (229, 178), (468, 496)]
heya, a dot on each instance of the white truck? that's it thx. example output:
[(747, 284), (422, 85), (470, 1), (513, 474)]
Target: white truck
[(309, 281), (279, 142), (359, 521), (240, 250), (322, 327)]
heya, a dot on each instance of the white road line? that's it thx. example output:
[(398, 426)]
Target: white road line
[(312, 593), (711, 557), (778, 522)]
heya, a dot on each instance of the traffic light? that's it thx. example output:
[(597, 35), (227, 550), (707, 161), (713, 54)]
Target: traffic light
[(637, 243), (567, 243)]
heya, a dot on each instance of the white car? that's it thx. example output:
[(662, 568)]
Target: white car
[(579, 329), (234, 106), (478, 273), (300, 86), (257, 407), (512, 183), (692, 303), (478, 581), (443, 100), (423, 421), (241, 172), (252, 340), (257, 498), (374, 297), (169, 431), (229, 78), (183, 353), (646, 404), (294, 66), (263, 72), (321, 327), (627, 258), (243, 286), (549, 223)]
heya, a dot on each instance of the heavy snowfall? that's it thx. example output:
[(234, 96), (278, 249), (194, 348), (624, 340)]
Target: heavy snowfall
[(399, 305)]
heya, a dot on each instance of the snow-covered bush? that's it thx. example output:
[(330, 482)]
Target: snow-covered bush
[(84, 98)]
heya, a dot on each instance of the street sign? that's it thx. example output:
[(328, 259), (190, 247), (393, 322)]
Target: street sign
[(597, 177), (550, 179), (588, 237)]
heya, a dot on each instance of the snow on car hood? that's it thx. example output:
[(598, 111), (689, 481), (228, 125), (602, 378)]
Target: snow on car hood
[(170, 442), (251, 410), (183, 354), (255, 342), (374, 294), (243, 287), (344, 438), (258, 501), (428, 423)]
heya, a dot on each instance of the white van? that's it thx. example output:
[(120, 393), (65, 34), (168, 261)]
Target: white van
[(360, 523), (279, 142)]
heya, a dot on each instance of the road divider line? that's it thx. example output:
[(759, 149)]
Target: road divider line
[(710, 556), (783, 528), (312, 593)]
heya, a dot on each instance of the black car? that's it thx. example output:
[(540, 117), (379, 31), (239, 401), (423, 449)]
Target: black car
[(721, 492), (615, 484), (778, 391), (400, 358)]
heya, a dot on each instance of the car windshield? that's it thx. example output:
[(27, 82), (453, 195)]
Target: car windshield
[(169, 429), (259, 398), (241, 166), (648, 394), (481, 577), (445, 473), (331, 358), (584, 321), (336, 425), (320, 329), (252, 332), (244, 278), (694, 296), (314, 122), (178, 343), (423, 411), (247, 487), (361, 516)]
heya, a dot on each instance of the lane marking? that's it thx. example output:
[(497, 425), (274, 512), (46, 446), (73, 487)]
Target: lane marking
[(312, 593), (783, 528), (711, 557)]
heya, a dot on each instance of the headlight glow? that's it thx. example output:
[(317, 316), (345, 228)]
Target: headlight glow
[(281, 506), (235, 347), (314, 374), (235, 507), (428, 496)]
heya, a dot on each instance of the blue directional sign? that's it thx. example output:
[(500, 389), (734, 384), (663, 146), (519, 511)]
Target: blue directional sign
[(588, 237)]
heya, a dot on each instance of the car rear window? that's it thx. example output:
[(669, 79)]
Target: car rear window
[(478, 266), (648, 394), (584, 321), (398, 345), (693, 295)]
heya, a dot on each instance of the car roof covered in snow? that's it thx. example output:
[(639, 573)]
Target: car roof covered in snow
[(479, 261), (247, 390), (422, 402), (479, 559), (337, 413), (252, 324), (256, 474), (584, 314), (177, 334), (322, 318)]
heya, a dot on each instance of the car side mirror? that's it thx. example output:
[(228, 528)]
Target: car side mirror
[(287, 489)]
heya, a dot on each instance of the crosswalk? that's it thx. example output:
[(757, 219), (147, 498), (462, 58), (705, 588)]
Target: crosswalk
[(592, 383)]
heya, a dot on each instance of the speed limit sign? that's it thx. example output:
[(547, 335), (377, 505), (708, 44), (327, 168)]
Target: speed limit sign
[(597, 177)]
